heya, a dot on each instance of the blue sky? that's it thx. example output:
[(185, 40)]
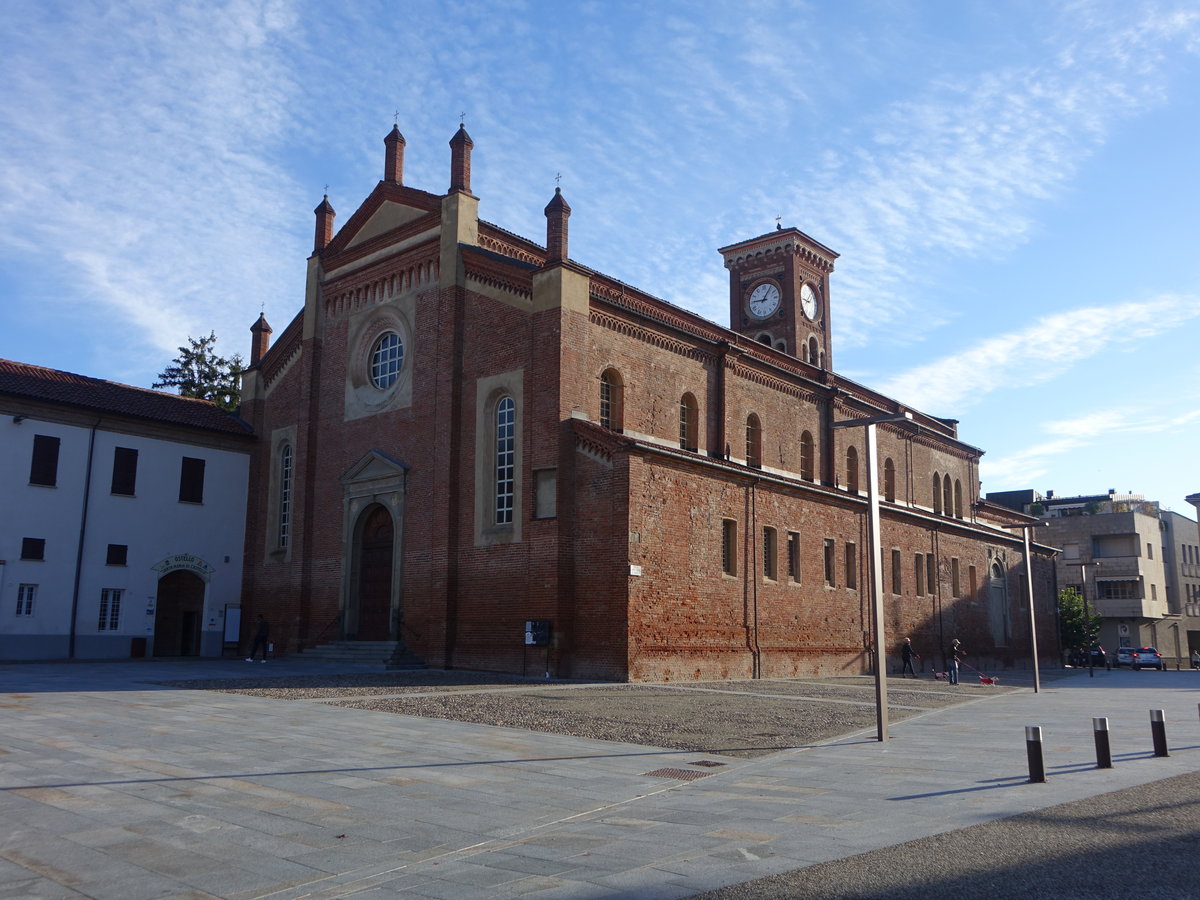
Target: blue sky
[(1012, 186)]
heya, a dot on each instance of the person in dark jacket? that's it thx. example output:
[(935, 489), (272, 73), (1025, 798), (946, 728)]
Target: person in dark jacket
[(261, 635), (907, 653)]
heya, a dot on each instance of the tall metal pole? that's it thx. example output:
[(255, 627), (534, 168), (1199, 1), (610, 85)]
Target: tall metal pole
[(876, 575), (1037, 678), (1087, 617)]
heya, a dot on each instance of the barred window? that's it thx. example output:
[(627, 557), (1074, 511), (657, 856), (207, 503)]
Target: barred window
[(753, 442), (689, 417), (387, 359), (611, 399), (285, 495), (729, 546), (807, 457), (770, 552), (793, 552), (110, 609), (505, 459), (852, 470), (26, 593)]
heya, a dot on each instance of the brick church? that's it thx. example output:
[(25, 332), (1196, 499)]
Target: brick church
[(464, 431)]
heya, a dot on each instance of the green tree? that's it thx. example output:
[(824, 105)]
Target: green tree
[(1079, 627), (199, 372)]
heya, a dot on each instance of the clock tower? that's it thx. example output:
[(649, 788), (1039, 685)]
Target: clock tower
[(779, 293)]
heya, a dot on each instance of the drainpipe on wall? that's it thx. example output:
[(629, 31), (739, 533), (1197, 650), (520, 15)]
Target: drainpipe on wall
[(87, 493), (752, 574), (937, 593)]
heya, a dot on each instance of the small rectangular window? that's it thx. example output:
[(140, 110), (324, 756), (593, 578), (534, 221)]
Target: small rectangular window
[(124, 473), (897, 575), (955, 578), (793, 552), (852, 567), (33, 548), (117, 554), (1149, 550), (919, 574), (770, 540), (43, 467), (830, 562), (931, 578), (972, 580), (728, 546), (26, 594), (191, 480), (110, 609)]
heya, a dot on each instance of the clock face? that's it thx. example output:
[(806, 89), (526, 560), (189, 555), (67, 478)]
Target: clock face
[(808, 301), (764, 300)]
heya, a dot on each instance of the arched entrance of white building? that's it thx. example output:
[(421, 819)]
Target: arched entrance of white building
[(178, 613)]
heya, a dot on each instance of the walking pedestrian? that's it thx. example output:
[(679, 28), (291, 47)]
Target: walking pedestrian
[(907, 653), (261, 635), (956, 653)]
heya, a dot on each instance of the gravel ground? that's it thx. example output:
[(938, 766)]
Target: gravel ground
[(732, 718), (1068, 852)]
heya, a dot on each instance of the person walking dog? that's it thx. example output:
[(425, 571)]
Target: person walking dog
[(956, 653)]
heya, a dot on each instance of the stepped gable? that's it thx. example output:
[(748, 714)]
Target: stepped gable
[(66, 388)]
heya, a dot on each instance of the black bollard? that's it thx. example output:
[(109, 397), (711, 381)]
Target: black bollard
[(1033, 747), (1103, 750), (1158, 729)]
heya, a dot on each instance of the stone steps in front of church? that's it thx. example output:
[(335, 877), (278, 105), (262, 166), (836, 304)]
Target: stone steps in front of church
[(392, 654)]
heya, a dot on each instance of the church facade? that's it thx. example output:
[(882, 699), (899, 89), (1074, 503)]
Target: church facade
[(473, 446)]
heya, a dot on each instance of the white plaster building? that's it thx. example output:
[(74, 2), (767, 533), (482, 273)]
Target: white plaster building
[(123, 518)]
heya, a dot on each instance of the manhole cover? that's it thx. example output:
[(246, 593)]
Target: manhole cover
[(680, 774), (707, 763)]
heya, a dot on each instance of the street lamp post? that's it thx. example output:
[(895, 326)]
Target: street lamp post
[(874, 556), (1037, 680), (1087, 616)]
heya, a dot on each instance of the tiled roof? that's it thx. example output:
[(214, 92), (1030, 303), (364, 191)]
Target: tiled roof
[(81, 392)]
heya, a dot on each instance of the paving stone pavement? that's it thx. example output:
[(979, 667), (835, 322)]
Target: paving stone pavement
[(114, 787)]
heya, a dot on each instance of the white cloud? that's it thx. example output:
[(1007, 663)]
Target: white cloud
[(958, 171), (1037, 353), (1074, 436), (138, 170)]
